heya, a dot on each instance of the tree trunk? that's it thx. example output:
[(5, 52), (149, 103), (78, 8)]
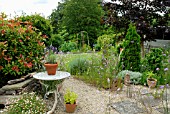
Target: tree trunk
[(142, 49)]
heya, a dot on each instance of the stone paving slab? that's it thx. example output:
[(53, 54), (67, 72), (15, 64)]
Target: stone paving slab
[(150, 101), (127, 107), (161, 110)]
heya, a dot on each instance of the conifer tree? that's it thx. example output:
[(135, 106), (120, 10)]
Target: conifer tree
[(131, 54)]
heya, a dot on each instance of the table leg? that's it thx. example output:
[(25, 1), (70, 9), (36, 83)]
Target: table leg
[(55, 103), (57, 97)]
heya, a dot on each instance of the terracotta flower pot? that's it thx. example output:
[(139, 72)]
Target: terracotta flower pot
[(70, 108), (151, 82), (51, 68)]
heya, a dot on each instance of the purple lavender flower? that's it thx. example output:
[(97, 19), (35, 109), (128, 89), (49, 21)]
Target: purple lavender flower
[(165, 69), (157, 69), (132, 41), (167, 85), (162, 86), (169, 60), (164, 54)]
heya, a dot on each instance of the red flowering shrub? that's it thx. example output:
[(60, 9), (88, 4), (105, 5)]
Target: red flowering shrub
[(21, 48)]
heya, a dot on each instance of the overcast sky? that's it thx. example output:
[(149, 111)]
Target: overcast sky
[(16, 7), (44, 7)]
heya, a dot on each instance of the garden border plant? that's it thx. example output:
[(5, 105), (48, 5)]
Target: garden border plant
[(22, 48)]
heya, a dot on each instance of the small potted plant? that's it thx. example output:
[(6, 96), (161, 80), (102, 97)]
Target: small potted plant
[(151, 81), (70, 98), (51, 64)]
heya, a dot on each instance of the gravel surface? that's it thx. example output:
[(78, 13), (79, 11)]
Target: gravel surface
[(91, 100)]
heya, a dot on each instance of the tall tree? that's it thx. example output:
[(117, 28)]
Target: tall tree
[(82, 15), (141, 12), (56, 16)]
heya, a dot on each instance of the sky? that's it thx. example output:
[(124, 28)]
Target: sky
[(16, 7)]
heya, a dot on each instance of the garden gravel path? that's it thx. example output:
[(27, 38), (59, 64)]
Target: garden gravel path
[(91, 100)]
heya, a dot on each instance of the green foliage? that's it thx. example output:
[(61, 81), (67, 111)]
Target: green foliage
[(29, 103), (131, 56), (68, 46), (105, 41), (58, 39), (70, 97), (78, 66), (82, 15), (155, 59), (22, 49), (144, 77), (135, 77), (51, 56), (43, 25), (57, 16), (150, 74), (51, 59)]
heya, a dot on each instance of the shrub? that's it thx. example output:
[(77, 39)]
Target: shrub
[(43, 25), (155, 59), (135, 77), (29, 103), (22, 49), (68, 46), (105, 41), (78, 66), (130, 57)]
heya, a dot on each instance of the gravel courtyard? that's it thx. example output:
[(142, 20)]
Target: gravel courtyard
[(91, 100)]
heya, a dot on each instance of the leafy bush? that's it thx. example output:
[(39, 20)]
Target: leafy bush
[(105, 41), (131, 56), (29, 103), (78, 66), (68, 46), (43, 25), (155, 59), (135, 77), (21, 50), (56, 40)]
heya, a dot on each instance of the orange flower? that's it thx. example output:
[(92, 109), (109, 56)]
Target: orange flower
[(11, 26), (29, 65), (1, 67), (45, 36), (20, 30), (15, 68), (2, 32), (40, 43), (20, 40), (8, 59)]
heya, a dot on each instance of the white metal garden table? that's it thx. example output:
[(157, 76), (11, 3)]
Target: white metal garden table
[(43, 76)]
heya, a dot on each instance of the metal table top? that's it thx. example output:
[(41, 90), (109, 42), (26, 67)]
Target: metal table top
[(58, 76)]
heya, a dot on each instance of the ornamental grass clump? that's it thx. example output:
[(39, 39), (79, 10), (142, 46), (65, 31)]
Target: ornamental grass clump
[(29, 103)]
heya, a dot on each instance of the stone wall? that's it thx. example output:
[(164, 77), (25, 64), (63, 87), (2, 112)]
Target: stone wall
[(16, 87)]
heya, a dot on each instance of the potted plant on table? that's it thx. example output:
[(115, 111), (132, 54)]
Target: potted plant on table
[(151, 81), (70, 98), (51, 64)]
